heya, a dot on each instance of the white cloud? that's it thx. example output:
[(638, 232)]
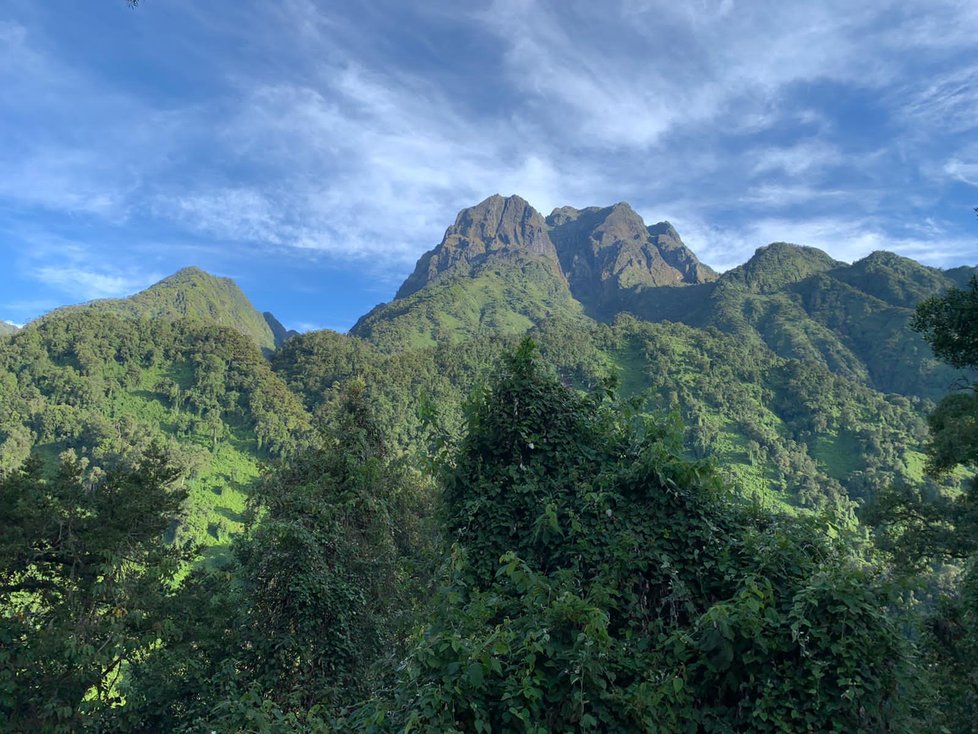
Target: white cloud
[(88, 284), (794, 160), (964, 171), (323, 141), (843, 238)]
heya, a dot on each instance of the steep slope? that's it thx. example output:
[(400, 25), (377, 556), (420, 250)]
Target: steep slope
[(608, 255), (497, 227), (777, 265), (803, 304), (501, 268), (895, 280), (501, 297), (192, 293), (496, 271), (108, 386), (279, 332)]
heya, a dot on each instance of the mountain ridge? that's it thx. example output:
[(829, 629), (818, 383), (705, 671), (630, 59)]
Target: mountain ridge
[(623, 248), (193, 293)]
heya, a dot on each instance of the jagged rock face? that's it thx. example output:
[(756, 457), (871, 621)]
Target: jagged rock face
[(666, 239), (604, 251), (603, 254), (496, 226)]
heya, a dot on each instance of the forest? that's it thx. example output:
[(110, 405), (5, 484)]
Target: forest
[(502, 503)]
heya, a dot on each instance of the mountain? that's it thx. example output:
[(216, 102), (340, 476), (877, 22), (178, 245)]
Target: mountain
[(497, 227), (797, 371), (192, 293), (7, 329), (279, 332), (495, 271), (778, 265), (107, 386), (608, 254), (502, 267)]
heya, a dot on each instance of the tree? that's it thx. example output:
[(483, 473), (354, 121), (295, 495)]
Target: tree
[(924, 526), (312, 612), (601, 581), (82, 571)]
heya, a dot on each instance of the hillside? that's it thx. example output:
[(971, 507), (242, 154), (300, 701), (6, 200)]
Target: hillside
[(7, 329), (797, 372), (106, 387), (502, 268), (495, 272), (192, 293)]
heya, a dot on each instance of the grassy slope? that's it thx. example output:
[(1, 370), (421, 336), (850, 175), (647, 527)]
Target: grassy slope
[(110, 405), (504, 297), (192, 293), (852, 319)]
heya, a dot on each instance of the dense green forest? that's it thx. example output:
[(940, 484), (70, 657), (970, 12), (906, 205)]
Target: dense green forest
[(570, 479)]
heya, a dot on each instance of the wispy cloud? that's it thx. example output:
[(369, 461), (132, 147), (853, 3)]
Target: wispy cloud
[(348, 136), (88, 284)]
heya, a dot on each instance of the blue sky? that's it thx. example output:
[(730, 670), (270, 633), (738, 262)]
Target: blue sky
[(313, 150)]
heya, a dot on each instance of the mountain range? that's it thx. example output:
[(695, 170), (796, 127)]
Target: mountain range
[(798, 373)]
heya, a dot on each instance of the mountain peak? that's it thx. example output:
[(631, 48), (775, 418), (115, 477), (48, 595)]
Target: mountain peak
[(193, 293), (779, 264), (606, 250), (663, 229), (498, 225), (895, 279)]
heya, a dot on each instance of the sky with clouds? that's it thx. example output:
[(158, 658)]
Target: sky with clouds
[(313, 150)]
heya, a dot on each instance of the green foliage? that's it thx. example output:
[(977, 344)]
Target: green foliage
[(312, 614), (604, 583), (191, 294), (504, 297), (949, 323), (83, 569), (108, 387), (609, 570), (922, 528)]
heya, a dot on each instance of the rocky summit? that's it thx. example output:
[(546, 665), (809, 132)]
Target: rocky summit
[(598, 251)]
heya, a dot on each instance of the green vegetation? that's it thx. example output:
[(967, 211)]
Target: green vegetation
[(925, 529), (82, 576), (194, 294), (108, 387), (648, 522)]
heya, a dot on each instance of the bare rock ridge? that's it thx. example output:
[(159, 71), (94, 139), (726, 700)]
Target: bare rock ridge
[(599, 252), (497, 226), (605, 251)]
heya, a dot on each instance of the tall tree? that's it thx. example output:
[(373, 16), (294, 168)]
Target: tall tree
[(943, 527), (83, 568), (602, 582)]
